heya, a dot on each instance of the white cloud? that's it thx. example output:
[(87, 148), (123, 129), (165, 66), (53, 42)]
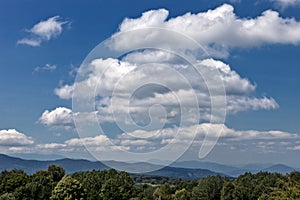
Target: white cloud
[(44, 31), (35, 42), (286, 3), (51, 146), (232, 134), (121, 77), (12, 137), (295, 148), (100, 140), (100, 143), (47, 67), (64, 92), (60, 117), (239, 104), (218, 30), (234, 83), (145, 141)]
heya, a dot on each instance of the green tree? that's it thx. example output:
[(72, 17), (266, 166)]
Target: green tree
[(117, 186), (110, 189), (68, 188), (10, 180), (163, 192), (56, 172), (107, 184), (7, 196), (148, 191), (227, 192), (38, 188), (208, 188), (91, 181), (290, 193), (182, 194), (252, 186)]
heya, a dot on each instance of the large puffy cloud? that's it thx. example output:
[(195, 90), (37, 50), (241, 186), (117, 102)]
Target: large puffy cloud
[(113, 81), (44, 31), (117, 80), (217, 30), (60, 117), (13, 138)]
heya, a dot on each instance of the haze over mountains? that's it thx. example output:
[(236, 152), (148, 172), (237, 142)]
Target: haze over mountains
[(182, 169)]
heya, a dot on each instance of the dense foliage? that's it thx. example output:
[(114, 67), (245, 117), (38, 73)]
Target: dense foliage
[(54, 184)]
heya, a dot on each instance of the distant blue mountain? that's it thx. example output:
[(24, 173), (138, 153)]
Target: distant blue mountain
[(76, 165), (31, 166), (219, 168), (176, 172), (183, 169), (34, 156), (235, 171), (279, 168)]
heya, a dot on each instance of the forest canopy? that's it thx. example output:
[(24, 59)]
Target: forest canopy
[(55, 184)]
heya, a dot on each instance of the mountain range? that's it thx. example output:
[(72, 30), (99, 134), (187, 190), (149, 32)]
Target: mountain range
[(235, 171), (182, 169)]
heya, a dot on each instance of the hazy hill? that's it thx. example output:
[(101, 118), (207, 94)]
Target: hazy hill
[(235, 171), (74, 165), (31, 166), (279, 168), (175, 172), (183, 169)]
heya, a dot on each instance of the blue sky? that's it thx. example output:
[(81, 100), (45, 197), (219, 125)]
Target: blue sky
[(267, 62)]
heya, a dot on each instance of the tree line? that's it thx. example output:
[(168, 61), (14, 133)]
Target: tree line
[(55, 184)]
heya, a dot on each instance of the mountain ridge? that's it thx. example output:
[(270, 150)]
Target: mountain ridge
[(76, 165), (179, 169)]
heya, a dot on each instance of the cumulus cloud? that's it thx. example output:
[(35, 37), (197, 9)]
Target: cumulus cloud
[(64, 92), (60, 117), (45, 30), (183, 86), (114, 82), (218, 30), (13, 138)]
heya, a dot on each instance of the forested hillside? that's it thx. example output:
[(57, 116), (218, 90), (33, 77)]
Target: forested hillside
[(54, 184)]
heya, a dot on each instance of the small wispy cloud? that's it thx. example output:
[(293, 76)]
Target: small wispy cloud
[(47, 67), (73, 70), (286, 3), (44, 31)]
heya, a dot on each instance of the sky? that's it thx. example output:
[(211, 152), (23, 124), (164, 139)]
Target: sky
[(173, 80)]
